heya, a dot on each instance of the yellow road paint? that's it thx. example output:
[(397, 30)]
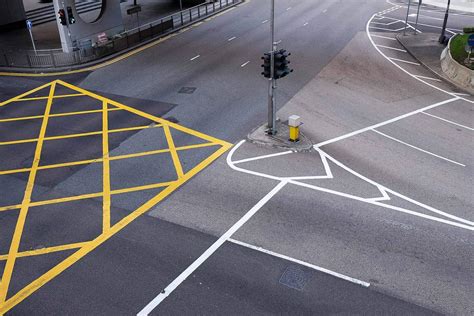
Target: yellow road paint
[(118, 130), (113, 158), (83, 248), (106, 168), (44, 251), (15, 243), (55, 97), (24, 118)]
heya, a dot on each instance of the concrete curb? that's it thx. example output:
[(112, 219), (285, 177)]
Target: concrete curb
[(458, 73), (112, 56)]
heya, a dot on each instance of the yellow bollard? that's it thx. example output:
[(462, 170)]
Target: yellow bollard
[(294, 122)]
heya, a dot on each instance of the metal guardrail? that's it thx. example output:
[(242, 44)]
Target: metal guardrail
[(56, 58)]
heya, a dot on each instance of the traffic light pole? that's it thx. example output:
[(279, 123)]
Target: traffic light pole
[(272, 81), (442, 37)]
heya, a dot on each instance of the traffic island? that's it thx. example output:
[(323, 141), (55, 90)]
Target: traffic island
[(429, 52), (281, 139)]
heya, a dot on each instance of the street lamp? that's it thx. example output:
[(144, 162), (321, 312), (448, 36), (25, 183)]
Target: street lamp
[(442, 37)]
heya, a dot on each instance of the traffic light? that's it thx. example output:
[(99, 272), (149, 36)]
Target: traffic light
[(62, 16), (267, 60), (281, 64), (70, 16)]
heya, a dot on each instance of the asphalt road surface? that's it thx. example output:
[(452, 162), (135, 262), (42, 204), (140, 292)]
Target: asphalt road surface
[(105, 208)]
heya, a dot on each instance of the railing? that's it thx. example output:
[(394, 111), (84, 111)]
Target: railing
[(56, 58)]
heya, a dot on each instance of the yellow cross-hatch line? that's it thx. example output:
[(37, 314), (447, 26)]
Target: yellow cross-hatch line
[(83, 248), (33, 117), (15, 244)]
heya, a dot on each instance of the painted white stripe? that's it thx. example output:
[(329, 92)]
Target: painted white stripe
[(393, 48), (386, 24), (405, 61), (195, 57), (210, 251), (385, 37), (263, 157), (305, 23), (245, 64), (362, 130), (232, 38), (288, 9), (427, 78), (419, 149), (448, 121), (303, 263), (325, 10), (264, 21), (383, 29)]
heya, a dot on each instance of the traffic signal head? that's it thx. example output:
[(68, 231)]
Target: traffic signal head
[(62, 17), (267, 60), (281, 64), (70, 16)]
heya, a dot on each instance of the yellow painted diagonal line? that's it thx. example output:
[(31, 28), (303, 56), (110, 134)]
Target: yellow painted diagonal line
[(105, 169), (47, 250), (146, 115), (174, 154), (113, 158), (25, 94), (15, 243), (24, 118), (118, 130), (52, 273), (54, 97), (87, 196)]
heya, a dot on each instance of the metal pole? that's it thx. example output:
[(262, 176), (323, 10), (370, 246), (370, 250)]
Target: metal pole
[(32, 40), (417, 15), (443, 30), (406, 20), (272, 81), (180, 5)]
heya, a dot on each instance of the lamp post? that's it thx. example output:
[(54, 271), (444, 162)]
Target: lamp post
[(442, 37)]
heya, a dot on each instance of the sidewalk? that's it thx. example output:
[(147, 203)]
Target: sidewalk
[(460, 5)]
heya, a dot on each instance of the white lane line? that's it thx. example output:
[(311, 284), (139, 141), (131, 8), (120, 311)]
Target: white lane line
[(385, 37), (362, 130), (428, 78), (231, 39), (386, 24), (245, 64), (288, 9), (300, 262), (462, 94), (199, 261), (419, 149), (383, 29), (393, 48), (305, 23), (195, 57), (264, 21), (448, 121), (263, 157), (405, 61)]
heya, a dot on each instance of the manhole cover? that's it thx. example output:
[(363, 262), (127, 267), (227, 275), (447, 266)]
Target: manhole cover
[(187, 90), (294, 277)]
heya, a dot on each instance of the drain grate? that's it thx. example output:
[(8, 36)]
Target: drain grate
[(187, 90), (295, 277)]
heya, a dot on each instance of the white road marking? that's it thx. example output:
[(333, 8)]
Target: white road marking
[(469, 225), (462, 94), (428, 78), (362, 130), (264, 21), (325, 10), (210, 251), (393, 48), (305, 23), (278, 42), (419, 149), (245, 64), (300, 262), (448, 121), (232, 38), (385, 37), (195, 57), (288, 9), (386, 24), (263, 157), (384, 29), (405, 61)]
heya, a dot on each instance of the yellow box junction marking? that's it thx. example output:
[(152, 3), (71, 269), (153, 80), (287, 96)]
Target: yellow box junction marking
[(82, 248)]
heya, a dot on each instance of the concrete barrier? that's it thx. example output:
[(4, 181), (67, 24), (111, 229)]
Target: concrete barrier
[(458, 73)]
